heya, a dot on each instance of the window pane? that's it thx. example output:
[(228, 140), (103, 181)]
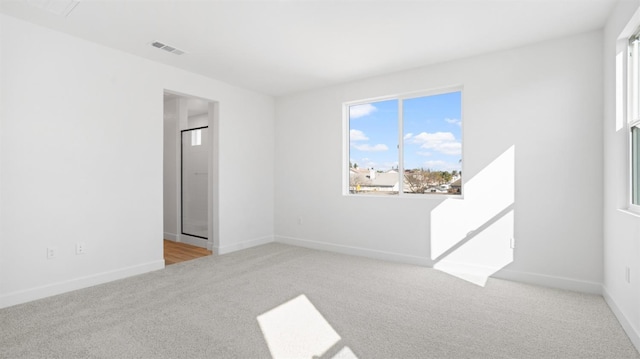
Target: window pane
[(635, 80), (635, 165), (433, 144), (196, 137), (373, 148)]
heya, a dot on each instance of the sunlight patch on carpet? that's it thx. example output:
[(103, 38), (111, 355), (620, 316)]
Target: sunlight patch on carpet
[(296, 329)]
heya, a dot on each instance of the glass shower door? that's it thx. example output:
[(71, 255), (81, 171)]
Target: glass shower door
[(195, 187)]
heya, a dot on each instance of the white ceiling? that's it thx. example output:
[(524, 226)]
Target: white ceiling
[(281, 47)]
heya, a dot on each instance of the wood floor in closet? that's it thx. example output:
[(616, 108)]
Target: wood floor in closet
[(175, 252)]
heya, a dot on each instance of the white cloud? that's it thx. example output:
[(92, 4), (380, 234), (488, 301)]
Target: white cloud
[(361, 110), (422, 153), (436, 137), (369, 148), (449, 148), (367, 163), (442, 142), (408, 136), (453, 121), (357, 135), (363, 163)]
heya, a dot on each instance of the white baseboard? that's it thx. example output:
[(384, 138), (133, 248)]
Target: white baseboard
[(243, 245), (516, 276), (49, 290), (170, 236), (631, 331), (356, 251), (543, 280), (194, 241)]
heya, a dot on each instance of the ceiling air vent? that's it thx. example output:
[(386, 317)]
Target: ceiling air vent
[(167, 48)]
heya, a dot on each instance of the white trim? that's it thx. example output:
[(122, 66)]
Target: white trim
[(632, 82), (406, 95), (214, 175), (632, 332), (243, 245), (355, 251), (632, 78), (630, 211), (400, 147), (170, 236), (194, 241), (401, 175), (346, 152), (564, 283), (543, 280), (420, 196), (633, 207), (49, 290), (462, 122)]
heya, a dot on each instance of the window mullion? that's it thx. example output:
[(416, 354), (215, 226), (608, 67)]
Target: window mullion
[(400, 149)]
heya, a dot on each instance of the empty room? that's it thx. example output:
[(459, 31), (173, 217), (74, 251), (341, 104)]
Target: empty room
[(320, 179)]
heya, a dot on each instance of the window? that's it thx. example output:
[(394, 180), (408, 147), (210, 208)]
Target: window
[(196, 137), (407, 146), (634, 118)]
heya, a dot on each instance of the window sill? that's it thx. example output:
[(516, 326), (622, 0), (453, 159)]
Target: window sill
[(630, 212), (406, 196)]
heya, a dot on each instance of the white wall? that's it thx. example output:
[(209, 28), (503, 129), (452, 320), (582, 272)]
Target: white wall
[(2, 116), (621, 229), (535, 111), (170, 168), (81, 161)]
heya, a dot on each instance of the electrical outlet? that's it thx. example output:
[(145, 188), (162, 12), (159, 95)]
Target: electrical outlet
[(80, 248), (52, 252), (299, 220)]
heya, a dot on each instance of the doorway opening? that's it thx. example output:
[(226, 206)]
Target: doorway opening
[(189, 177)]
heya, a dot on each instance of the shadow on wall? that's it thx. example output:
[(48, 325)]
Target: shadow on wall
[(474, 238)]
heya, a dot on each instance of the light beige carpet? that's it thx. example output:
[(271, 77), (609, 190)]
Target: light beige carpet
[(287, 301)]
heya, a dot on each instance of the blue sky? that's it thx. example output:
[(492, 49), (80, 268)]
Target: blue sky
[(432, 133)]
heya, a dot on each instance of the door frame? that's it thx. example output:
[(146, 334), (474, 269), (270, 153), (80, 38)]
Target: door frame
[(213, 240)]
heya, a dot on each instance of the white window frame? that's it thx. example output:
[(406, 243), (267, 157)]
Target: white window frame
[(633, 110), (400, 98)]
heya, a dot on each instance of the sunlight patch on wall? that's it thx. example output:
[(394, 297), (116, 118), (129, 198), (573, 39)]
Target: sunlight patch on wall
[(296, 329), (481, 256), (473, 238)]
